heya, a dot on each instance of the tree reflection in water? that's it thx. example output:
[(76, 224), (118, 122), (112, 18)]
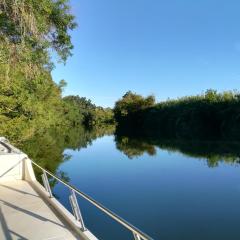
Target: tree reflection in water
[(213, 151), (48, 148)]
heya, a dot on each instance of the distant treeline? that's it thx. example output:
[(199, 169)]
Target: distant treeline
[(210, 115), (81, 111)]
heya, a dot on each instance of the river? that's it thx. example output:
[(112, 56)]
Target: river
[(172, 190)]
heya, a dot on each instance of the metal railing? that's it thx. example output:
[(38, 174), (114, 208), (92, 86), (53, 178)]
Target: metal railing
[(137, 234)]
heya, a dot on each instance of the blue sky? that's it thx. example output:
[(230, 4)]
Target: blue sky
[(169, 48)]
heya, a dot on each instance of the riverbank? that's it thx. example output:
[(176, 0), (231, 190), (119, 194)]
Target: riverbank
[(209, 116)]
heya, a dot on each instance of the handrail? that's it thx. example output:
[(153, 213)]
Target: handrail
[(138, 234)]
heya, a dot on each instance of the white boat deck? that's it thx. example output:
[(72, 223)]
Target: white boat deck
[(24, 215)]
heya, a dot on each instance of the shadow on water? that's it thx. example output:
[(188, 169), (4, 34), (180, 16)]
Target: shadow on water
[(213, 151), (48, 149)]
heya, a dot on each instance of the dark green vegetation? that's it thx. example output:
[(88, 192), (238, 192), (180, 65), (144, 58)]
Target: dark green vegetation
[(80, 111), (30, 101), (203, 126), (210, 116)]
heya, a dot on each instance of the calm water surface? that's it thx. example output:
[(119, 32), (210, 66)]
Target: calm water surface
[(165, 193)]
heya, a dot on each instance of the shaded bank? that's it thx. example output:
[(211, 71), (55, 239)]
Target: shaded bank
[(210, 116)]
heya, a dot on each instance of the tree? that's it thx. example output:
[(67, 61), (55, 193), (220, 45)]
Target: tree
[(131, 103), (29, 32)]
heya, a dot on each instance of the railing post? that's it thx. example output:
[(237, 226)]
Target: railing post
[(46, 184), (76, 209), (136, 237), (137, 234)]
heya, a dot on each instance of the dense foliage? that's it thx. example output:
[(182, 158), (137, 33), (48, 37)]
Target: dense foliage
[(30, 101), (29, 30), (211, 115), (129, 105), (79, 110)]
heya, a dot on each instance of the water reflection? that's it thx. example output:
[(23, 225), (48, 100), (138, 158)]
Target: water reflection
[(176, 188), (133, 147), (213, 151), (48, 148)]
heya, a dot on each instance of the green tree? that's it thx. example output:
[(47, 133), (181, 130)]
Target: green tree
[(130, 104), (211, 115), (29, 32)]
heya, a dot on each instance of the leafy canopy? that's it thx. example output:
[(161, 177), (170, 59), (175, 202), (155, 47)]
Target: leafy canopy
[(30, 31)]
